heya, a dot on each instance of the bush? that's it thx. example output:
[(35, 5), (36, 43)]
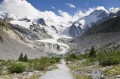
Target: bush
[(17, 67), (7, 63), (56, 59), (4, 24), (109, 58), (42, 63), (72, 57)]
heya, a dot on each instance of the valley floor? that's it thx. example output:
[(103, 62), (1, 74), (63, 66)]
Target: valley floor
[(84, 69)]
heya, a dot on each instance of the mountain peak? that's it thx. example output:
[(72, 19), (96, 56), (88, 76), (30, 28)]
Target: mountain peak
[(114, 10)]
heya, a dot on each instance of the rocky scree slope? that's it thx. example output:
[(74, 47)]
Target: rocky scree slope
[(102, 35), (11, 46)]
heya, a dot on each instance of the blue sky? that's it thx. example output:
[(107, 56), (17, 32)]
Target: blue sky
[(79, 4)]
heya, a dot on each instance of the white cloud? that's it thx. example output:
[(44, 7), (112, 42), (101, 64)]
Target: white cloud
[(23, 8), (70, 5), (66, 16), (18, 8), (80, 14), (52, 7)]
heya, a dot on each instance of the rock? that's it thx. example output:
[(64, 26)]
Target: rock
[(20, 77), (1, 78), (30, 74), (118, 77), (15, 77), (97, 74), (24, 73), (36, 72), (7, 77)]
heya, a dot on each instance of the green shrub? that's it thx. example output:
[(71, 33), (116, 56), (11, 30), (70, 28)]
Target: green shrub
[(56, 59), (72, 57), (4, 24), (107, 58), (42, 63), (17, 67), (7, 63)]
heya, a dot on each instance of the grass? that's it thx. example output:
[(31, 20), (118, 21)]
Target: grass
[(7, 76), (43, 65), (78, 76), (107, 61), (11, 76), (114, 70), (88, 62), (73, 67)]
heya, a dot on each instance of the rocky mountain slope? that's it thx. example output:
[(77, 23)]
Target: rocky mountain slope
[(105, 34), (11, 46), (15, 40)]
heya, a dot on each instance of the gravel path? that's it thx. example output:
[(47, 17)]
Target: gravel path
[(62, 72)]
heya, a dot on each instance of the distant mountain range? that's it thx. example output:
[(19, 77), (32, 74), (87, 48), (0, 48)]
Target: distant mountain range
[(26, 15), (45, 33)]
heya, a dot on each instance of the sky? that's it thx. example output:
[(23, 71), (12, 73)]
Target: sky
[(71, 6), (54, 5)]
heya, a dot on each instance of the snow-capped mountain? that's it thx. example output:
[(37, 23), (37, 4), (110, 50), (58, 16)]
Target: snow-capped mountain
[(24, 14), (79, 26), (39, 29), (98, 16)]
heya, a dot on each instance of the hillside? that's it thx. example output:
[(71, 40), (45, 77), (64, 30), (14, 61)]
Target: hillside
[(111, 25), (99, 36), (11, 47)]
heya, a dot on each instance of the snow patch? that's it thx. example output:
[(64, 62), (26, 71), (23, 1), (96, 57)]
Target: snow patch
[(22, 23)]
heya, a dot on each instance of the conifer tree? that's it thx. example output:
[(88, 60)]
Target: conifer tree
[(25, 58), (92, 52), (20, 57)]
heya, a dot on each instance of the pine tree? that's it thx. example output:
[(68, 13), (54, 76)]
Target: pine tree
[(25, 58), (92, 52), (20, 57)]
